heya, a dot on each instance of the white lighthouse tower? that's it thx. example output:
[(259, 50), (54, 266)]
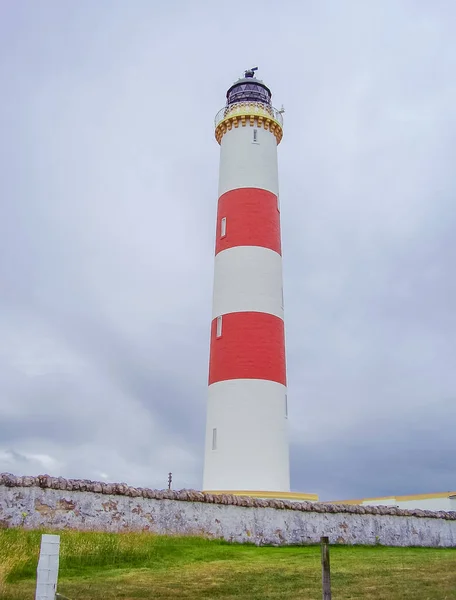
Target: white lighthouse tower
[(246, 447)]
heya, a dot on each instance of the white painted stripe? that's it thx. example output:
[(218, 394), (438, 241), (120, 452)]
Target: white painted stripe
[(252, 437), (247, 278), (244, 163)]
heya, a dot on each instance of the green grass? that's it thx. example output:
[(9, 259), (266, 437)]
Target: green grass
[(95, 566)]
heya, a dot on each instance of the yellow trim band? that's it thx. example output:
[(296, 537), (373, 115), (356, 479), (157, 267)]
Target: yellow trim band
[(255, 114)]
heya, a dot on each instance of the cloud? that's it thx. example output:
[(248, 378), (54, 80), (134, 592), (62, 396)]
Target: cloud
[(29, 461), (109, 182), (401, 453)]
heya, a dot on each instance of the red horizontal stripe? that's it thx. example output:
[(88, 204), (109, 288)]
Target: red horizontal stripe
[(252, 219), (252, 346)]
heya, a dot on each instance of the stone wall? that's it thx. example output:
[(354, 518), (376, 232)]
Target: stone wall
[(57, 503)]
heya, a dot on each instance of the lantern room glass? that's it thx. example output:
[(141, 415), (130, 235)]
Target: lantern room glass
[(248, 92)]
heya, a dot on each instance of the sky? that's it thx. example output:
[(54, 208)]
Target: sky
[(108, 193)]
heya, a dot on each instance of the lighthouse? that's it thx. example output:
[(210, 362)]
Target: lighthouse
[(246, 446)]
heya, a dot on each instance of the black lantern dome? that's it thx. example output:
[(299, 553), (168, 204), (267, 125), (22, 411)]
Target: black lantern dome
[(248, 89)]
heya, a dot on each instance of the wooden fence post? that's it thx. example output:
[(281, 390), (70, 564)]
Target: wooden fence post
[(325, 568)]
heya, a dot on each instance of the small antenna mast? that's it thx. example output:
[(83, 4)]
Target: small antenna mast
[(250, 72)]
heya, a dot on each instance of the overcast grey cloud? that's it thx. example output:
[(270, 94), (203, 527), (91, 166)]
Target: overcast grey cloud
[(108, 171)]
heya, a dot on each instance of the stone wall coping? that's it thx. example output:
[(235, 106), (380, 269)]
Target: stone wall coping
[(122, 489)]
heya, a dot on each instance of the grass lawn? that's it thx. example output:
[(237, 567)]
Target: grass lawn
[(95, 566)]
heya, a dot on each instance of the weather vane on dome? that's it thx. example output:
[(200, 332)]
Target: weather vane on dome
[(250, 72)]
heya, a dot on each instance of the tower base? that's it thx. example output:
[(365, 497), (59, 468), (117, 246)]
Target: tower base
[(291, 496)]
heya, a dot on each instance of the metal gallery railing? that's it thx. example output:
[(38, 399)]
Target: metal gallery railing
[(247, 109)]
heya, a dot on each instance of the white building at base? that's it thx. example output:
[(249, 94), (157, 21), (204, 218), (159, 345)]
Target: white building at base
[(439, 501)]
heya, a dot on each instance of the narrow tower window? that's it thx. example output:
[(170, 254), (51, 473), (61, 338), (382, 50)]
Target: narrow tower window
[(219, 327), (255, 136), (286, 407), (214, 439), (223, 227)]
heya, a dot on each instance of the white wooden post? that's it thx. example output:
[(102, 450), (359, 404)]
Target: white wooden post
[(48, 568)]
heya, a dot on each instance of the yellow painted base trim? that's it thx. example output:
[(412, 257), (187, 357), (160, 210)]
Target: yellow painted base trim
[(298, 496), (394, 498)]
